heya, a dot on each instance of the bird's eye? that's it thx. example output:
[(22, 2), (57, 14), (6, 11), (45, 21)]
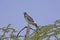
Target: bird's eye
[(25, 13)]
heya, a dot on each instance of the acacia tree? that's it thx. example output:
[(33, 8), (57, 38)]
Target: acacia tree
[(44, 32), (47, 31)]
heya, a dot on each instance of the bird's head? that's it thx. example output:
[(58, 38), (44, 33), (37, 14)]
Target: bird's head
[(25, 13)]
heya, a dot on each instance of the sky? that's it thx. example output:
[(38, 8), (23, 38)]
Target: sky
[(44, 12)]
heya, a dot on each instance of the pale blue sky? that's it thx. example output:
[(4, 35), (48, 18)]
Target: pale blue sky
[(42, 11)]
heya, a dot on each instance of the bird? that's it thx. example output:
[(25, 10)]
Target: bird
[(30, 20)]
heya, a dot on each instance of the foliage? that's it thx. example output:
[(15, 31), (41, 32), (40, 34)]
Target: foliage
[(38, 34), (7, 33), (47, 31)]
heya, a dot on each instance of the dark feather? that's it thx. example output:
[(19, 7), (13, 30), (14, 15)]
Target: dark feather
[(27, 17)]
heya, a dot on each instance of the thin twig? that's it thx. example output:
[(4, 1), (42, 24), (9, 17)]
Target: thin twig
[(32, 29), (8, 25), (21, 30)]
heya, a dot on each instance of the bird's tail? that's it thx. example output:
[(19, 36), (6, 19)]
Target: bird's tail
[(36, 25)]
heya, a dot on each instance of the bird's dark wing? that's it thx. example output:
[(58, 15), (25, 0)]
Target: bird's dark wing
[(27, 17)]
